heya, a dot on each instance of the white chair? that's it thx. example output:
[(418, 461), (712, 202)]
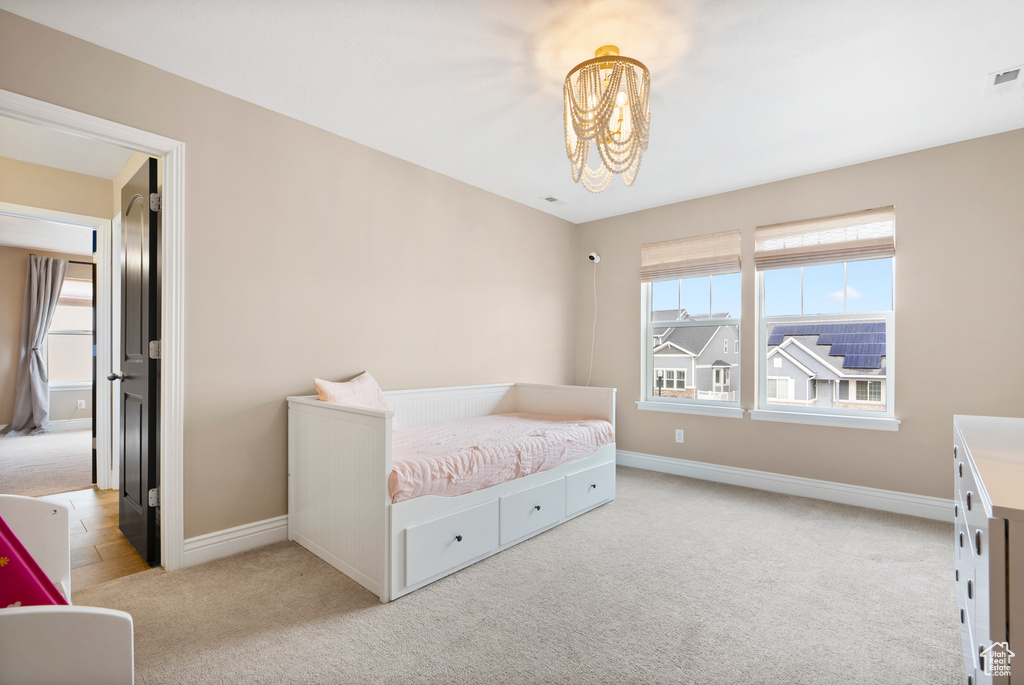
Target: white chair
[(65, 645), (42, 527), (59, 645)]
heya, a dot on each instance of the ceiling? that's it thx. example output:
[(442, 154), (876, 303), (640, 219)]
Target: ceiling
[(743, 92), (28, 143)]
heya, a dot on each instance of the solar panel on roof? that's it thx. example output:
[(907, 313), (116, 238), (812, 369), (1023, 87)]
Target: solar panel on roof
[(862, 361)]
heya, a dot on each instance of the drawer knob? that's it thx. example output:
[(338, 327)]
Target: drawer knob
[(961, 467), (961, 539), (970, 590), (961, 615), (593, 486), (968, 500), (981, 657), (956, 510), (537, 507), (954, 451), (458, 538), (957, 574), (977, 542)]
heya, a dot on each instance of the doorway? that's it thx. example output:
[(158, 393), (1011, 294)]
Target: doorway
[(53, 117)]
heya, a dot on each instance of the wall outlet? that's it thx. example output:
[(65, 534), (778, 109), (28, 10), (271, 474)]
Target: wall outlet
[(81, 405), (679, 435)]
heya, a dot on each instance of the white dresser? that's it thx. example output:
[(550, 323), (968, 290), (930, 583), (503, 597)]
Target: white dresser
[(988, 476)]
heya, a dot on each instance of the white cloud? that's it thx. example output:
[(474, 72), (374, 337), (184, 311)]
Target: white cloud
[(851, 292)]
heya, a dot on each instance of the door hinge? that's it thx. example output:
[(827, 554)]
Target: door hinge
[(154, 349), (156, 202), (154, 497)]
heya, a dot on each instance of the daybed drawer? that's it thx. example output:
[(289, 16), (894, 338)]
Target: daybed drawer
[(533, 509), (436, 546), (590, 487)]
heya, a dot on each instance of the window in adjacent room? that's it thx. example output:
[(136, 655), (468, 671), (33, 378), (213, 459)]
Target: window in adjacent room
[(691, 296), (825, 314), (69, 340)]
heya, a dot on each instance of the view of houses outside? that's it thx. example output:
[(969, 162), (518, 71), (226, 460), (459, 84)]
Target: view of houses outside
[(818, 354)]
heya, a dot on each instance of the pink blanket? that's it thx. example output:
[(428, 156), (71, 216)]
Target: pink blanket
[(456, 457), (22, 582)]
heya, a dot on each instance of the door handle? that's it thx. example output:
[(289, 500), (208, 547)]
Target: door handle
[(115, 377)]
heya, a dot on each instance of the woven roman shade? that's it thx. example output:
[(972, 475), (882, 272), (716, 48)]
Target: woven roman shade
[(707, 255), (870, 234)]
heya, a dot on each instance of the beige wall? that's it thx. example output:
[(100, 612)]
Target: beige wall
[(309, 255), (13, 272), (960, 238), (32, 185)]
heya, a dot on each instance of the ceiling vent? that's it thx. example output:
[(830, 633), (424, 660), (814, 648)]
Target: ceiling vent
[(1003, 81), (553, 200)]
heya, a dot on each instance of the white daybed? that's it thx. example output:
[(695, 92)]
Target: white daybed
[(340, 508)]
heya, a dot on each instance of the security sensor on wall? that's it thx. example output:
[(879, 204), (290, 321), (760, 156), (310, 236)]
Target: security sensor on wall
[(594, 257)]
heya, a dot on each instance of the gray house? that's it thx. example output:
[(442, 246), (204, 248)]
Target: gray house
[(827, 365), (695, 362)]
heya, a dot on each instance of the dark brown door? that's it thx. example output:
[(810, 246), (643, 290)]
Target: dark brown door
[(140, 366)]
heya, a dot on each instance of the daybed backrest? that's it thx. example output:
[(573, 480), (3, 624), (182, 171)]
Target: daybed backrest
[(433, 405), (566, 400)]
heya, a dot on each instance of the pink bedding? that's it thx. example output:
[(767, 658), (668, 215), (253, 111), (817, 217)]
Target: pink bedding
[(456, 457)]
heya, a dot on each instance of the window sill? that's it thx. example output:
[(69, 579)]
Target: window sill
[(71, 385), (835, 420), (727, 412)]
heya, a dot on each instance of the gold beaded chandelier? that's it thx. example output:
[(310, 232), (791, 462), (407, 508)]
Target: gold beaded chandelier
[(607, 101)]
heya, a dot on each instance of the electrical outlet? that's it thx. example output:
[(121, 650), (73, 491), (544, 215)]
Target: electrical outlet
[(679, 435), (81, 404)]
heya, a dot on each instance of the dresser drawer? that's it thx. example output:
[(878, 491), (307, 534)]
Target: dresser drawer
[(588, 488), (439, 545), (531, 510)]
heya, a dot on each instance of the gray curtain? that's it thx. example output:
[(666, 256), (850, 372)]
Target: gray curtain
[(32, 388)]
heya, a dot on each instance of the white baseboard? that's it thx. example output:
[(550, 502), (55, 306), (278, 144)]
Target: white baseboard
[(923, 506), (69, 425), (64, 426), (223, 543)]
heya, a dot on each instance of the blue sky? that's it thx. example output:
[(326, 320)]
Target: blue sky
[(868, 283)]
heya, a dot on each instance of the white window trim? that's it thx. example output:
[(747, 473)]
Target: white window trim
[(831, 416), (678, 405), (60, 386)]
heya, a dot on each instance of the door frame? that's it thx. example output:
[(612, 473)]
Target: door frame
[(106, 470), (172, 320)]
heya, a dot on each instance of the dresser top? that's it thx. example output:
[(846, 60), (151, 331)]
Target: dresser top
[(995, 446)]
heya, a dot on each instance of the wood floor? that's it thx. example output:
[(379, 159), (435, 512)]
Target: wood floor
[(99, 552)]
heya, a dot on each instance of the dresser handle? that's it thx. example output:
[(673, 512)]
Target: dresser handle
[(970, 590), (961, 539), (458, 538), (968, 500), (977, 542), (537, 507), (957, 574), (961, 615), (956, 511), (981, 657), (961, 469), (954, 451)]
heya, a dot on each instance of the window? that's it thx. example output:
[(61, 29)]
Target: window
[(825, 315), (69, 343), (778, 388), (691, 296)]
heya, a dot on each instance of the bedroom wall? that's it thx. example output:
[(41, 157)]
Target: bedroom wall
[(22, 183), (309, 255), (959, 238)]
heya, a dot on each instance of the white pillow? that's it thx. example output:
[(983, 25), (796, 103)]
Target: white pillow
[(361, 391)]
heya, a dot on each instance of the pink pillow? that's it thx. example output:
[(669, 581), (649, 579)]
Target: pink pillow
[(361, 391)]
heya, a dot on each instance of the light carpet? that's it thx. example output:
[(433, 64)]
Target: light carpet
[(676, 581), (45, 464)]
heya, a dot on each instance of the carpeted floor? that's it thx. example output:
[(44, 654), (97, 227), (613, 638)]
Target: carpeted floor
[(677, 581), (45, 464)]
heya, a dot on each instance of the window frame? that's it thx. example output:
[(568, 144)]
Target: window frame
[(682, 405), (884, 420)]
